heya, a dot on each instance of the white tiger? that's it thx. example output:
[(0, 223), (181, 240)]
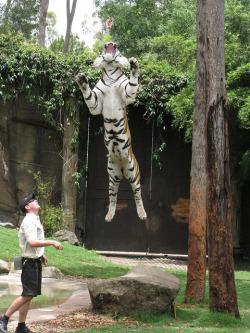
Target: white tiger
[(109, 97)]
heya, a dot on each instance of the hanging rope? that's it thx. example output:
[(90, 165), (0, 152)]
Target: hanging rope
[(86, 184)]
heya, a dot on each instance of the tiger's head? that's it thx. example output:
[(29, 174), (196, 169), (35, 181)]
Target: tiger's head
[(111, 57)]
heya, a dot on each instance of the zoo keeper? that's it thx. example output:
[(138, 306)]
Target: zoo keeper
[(32, 243)]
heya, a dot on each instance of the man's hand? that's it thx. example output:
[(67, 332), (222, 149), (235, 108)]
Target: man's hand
[(57, 245), (45, 260)]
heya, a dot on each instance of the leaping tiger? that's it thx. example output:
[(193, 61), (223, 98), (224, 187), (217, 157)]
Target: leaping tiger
[(109, 97)]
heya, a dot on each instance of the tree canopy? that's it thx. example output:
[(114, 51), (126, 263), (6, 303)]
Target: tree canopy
[(20, 16), (162, 34)]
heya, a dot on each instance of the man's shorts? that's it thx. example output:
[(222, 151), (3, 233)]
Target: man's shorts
[(31, 277)]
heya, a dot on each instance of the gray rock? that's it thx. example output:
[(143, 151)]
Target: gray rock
[(143, 289), (51, 272), (67, 236), (7, 225), (4, 267)]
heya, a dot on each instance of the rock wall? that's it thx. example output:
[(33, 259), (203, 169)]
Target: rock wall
[(26, 143)]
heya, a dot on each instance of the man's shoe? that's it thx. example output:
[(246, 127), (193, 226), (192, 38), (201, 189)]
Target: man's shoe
[(3, 326), (28, 330), (23, 330)]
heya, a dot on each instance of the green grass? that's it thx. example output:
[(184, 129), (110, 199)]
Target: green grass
[(191, 318), (72, 260), (75, 260)]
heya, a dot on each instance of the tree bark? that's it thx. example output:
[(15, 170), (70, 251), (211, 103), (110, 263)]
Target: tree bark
[(70, 163), (42, 22), (222, 291), (196, 274), (70, 17)]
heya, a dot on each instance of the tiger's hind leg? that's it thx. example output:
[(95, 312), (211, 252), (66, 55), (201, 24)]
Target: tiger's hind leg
[(115, 176), (133, 175)]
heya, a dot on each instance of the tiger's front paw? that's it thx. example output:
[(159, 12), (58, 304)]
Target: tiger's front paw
[(82, 80), (134, 65)]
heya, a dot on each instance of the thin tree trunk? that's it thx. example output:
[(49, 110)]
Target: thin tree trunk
[(42, 22), (196, 274), (70, 17), (70, 163), (222, 291)]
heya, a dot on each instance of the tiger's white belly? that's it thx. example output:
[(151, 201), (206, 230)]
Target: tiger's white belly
[(114, 114)]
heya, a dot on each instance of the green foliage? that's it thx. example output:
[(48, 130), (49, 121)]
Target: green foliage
[(135, 22), (162, 35), (244, 113), (239, 77), (24, 67), (164, 32), (100, 42), (159, 82), (132, 21), (77, 176), (177, 50), (75, 45), (51, 33), (51, 216), (157, 151), (182, 106), (238, 82), (245, 166), (20, 16)]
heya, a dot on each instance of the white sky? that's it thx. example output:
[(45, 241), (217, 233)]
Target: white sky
[(84, 8)]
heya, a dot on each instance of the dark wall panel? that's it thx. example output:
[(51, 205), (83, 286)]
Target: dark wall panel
[(166, 229)]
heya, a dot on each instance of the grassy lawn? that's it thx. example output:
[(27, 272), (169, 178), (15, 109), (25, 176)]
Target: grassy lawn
[(72, 260), (190, 317), (75, 260)]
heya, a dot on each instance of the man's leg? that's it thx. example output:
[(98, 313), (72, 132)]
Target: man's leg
[(22, 304), (18, 304), (23, 311)]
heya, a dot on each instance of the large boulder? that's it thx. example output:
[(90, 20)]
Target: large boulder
[(4, 267), (51, 272), (67, 236), (143, 289)]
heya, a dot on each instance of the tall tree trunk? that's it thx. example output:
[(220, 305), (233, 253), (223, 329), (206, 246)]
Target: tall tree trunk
[(222, 291), (42, 22), (196, 274), (70, 17), (70, 163)]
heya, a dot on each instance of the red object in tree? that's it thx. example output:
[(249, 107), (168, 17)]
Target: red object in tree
[(108, 24)]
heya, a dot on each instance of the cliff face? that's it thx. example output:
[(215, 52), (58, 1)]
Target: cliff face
[(26, 143)]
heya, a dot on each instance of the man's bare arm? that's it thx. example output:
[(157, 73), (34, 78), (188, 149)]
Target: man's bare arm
[(42, 243)]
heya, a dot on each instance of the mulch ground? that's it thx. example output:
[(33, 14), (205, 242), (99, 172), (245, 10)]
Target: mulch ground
[(71, 322), (74, 321)]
